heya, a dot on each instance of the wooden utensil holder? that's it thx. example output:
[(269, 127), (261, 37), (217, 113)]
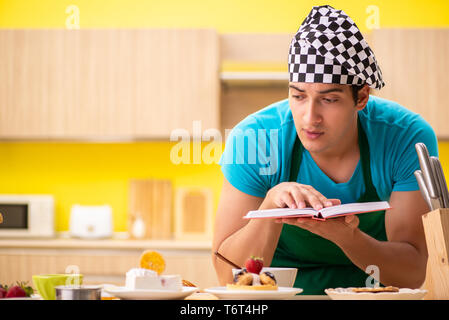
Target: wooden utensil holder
[(436, 229)]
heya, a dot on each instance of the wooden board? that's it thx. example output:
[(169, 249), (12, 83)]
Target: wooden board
[(193, 213), (436, 228), (151, 201)]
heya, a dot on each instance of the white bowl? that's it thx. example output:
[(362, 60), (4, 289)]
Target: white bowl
[(285, 277)]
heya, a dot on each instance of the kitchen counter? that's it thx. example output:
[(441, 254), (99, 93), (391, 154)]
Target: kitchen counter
[(103, 261), (63, 243)]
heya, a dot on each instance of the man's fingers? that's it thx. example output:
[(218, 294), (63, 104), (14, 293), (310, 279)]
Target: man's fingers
[(298, 196), (325, 201), (352, 221), (335, 202), (287, 200), (316, 199), (312, 199)]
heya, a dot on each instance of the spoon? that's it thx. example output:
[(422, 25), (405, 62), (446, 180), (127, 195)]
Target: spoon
[(227, 261)]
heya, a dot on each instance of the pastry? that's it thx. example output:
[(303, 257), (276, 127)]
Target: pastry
[(375, 290), (251, 277)]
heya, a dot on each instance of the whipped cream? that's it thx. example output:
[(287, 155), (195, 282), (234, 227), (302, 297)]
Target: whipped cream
[(141, 272), (256, 279), (139, 278)]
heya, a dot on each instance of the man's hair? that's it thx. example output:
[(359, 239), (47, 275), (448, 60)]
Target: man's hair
[(355, 91)]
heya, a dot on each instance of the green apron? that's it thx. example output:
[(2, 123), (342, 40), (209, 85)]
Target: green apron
[(321, 263)]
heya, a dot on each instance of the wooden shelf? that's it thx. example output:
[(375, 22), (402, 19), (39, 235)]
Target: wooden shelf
[(254, 78)]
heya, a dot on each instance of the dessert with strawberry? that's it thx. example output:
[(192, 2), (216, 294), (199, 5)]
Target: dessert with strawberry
[(251, 277)]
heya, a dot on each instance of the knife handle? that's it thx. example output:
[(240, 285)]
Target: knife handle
[(426, 169)]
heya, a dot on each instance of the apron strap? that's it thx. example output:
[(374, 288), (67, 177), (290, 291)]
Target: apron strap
[(366, 166), (296, 160)]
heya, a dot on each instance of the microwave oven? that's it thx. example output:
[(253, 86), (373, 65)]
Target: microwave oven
[(29, 216)]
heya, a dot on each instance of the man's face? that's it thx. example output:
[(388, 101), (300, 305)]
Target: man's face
[(324, 115)]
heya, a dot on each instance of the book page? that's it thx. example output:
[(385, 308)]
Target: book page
[(280, 212), (357, 207)]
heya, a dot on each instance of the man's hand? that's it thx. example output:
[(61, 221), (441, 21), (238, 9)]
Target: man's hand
[(295, 195), (335, 229)]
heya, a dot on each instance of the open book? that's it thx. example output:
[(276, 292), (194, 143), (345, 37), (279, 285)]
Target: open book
[(323, 214)]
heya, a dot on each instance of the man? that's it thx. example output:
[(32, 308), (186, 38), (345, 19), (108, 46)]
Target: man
[(335, 144)]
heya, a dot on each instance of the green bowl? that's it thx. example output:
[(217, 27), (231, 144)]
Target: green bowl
[(45, 283)]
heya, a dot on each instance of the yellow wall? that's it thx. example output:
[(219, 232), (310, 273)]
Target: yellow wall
[(98, 173), (95, 173), (223, 15)]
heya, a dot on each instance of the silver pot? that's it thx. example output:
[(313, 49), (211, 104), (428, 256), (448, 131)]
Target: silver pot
[(82, 292)]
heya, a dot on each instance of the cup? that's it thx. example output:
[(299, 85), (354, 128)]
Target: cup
[(45, 283), (285, 277)]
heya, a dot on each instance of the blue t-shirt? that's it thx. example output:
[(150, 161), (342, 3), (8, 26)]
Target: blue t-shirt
[(258, 151)]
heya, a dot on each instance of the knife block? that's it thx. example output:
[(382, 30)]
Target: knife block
[(436, 229)]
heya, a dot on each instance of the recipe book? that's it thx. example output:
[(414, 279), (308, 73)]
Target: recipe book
[(323, 214)]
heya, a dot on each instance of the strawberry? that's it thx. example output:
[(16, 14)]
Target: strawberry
[(28, 290), (2, 292), (254, 264), (16, 292)]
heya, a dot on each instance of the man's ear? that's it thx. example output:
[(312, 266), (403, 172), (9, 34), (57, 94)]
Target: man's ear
[(363, 97)]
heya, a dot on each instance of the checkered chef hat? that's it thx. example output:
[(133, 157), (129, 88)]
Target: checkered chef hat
[(329, 48)]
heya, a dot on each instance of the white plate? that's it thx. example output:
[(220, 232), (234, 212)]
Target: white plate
[(281, 293), (348, 294), (140, 294)]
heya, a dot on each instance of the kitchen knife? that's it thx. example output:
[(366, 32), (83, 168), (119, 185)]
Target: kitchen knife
[(436, 179), (444, 194), (426, 169), (423, 188), (428, 175)]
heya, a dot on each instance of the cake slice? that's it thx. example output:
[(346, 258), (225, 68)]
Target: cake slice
[(141, 278)]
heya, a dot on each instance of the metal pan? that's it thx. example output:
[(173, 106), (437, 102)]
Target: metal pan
[(82, 292)]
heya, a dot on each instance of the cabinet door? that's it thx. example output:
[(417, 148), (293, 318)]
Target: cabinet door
[(415, 67), (136, 83)]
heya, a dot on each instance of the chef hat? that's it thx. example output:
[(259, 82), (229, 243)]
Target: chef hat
[(329, 48)]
